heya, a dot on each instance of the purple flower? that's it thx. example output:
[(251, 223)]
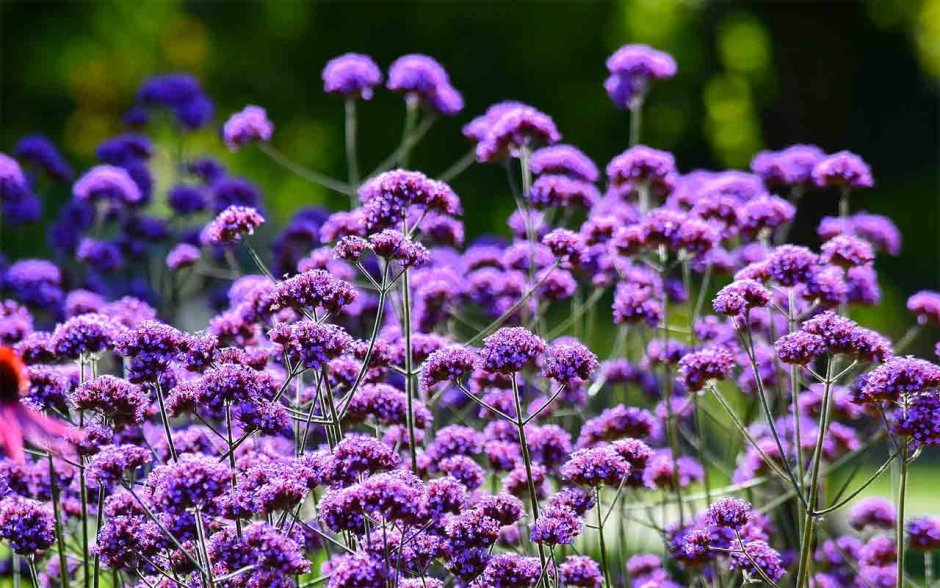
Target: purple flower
[(445, 496), (182, 94), (182, 256), (478, 128), (509, 571), (41, 153), (192, 480), (920, 424), (108, 466), (791, 264), (114, 398), (740, 297), (699, 367), (632, 68), (847, 251), (522, 127), (617, 422), (471, 529), (510, 349), (792, 166), (186, 200), (357, 455), (357, 570), (311, 344), (643, 166), (27, 524), (596, 467), (229, 191), (765, 213), (564, 160), (800, 347), (900, 377), (388, 196), (350, 75), (314, 289), (924, 533), (557, 526), (757, 555), (568, 363), (843, 169), (231, 225), (873, 512), (566, 245), (387, 405), (244, 127), (35, 281), (633, 303), (733, 513), (925, 305), (107, 182), (423, 77), (580, 571), (557, 191), (447, 365)]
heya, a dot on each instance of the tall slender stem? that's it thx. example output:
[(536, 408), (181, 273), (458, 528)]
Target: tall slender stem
[(844, 203), (809, 519), (411, 118), (600, 536), (307, 174), (636, 122), (59, 535), (671, 430), (166, 421), (352, 158), (699, 421), (409, 376), (902, 492), (527, 460)]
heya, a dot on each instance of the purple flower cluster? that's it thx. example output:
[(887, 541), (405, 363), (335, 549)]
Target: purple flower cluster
[(411, 404)]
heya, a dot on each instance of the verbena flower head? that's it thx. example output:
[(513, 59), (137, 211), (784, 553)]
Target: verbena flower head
[(596, 467), (634, 304), (27, 524), (313, 289), (509, 571), (740, 297), (580, 571), (39, 152), (754, 555), (192, 480), (565, 160), (900, 377), (920, 423), (11, 175), (924, 533), (698, 368), (847, 251), (311, 344), (87, 333), (632, 68), (800, 347), (873, 512), (387, 198), (247, 126), (231, 226), (521, 127), (791, 264), (351, 75), (643, 166), (733, 513), (182, 256), (925, 305), (844, 170), (557, 191), (107, 182), (115, 398), (447, 365), (792, 166), (180, 93), (510, 349), (423, 77), (568, 363)]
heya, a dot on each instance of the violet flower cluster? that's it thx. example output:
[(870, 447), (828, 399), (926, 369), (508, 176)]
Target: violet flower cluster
[(373, 398)]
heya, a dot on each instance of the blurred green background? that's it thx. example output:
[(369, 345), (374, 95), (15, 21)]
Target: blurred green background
[(848, 75)]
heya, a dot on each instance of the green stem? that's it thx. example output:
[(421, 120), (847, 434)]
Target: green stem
[(459, 166), (809, 519), (902, 492), (527, 460), (671, 429), (600, 535), (409, 376), (636, 122), (59, 535), (411, 118), (311, 176), (166, 421), (352, 159)]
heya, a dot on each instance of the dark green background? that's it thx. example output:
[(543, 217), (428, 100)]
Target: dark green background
[(853, 75)]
